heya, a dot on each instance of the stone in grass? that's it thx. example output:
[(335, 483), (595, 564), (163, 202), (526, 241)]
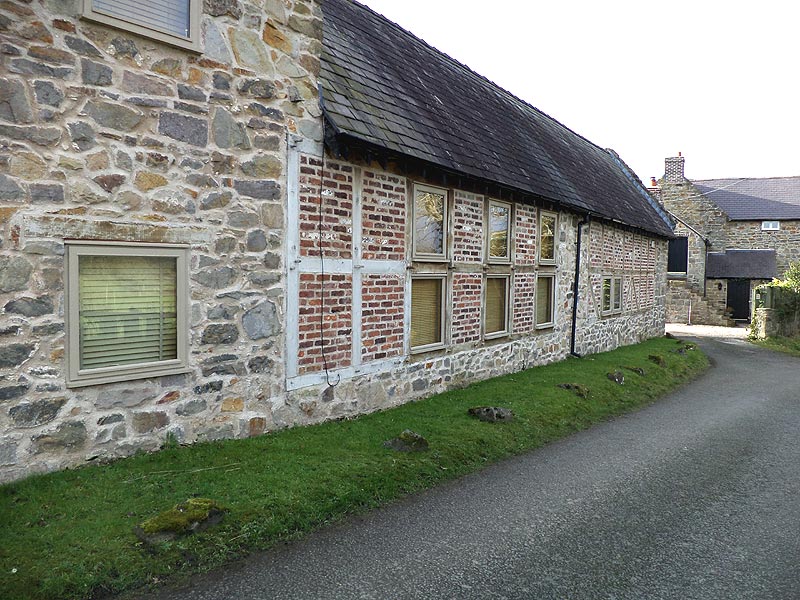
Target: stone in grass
[(616, 377), (658, 359), (638, 370), (491, 414), (580, 390), (192, 516), (408, 441)]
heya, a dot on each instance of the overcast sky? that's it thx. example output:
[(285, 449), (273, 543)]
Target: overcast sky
[(718, 81)]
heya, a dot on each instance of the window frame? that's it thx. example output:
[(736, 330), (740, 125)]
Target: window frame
[(424, 256), (551, 323), (506, 331), (509, 232), (442, 312), (615, 289), (764, 226), (671, 250), (74, 249), (192, 42), (539, 259)]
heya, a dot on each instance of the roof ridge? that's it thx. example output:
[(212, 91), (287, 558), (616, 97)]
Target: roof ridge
[(745, 178)]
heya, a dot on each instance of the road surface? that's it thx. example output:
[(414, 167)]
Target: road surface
[(695, 497)]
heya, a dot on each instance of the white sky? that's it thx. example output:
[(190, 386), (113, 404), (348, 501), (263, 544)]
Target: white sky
[(718, 81)]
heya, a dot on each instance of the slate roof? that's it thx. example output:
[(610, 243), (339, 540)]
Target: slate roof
[(741, 264), (383, 86), (767, 199)]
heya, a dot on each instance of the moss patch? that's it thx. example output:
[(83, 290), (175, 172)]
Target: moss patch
[(186, 517)]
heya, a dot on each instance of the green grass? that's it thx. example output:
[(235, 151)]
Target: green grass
[(70, 534), (787, 345)]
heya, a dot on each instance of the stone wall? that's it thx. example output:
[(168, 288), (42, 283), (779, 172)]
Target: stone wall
[(749, 235), (106, 135)]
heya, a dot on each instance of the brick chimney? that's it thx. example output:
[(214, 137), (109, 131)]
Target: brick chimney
[(673, 169)]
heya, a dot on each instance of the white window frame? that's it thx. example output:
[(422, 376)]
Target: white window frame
[(77, 377), (552, 321), (547, 261), (615, 286), (420, 256), (190, 42), (442, 314), (506, 329), (770, 225), (509, 233)]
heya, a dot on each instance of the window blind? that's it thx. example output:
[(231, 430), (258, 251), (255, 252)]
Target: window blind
[(127, 310), (544, 300), (426, 312), (171, 16), (495, 305)]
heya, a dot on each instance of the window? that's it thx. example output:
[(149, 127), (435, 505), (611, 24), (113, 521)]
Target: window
[(545, 289), (427, 310), (547, 238), (175, 22), (496, 306), (611, 301), (678, 255), (430, 223), (770, 225), (126, 311), (499, 232)]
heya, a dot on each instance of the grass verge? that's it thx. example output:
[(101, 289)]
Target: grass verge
[(70, 534), (787, 345)]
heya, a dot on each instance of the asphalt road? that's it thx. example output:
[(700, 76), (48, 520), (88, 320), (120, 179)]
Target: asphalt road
[(695, 497)]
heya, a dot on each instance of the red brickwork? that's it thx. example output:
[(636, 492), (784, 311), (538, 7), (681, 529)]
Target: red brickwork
[(468, 227), (525, 238), (524, 309), (337, 208), (382, 312), (383, 219), (337, 320), (466, 312)]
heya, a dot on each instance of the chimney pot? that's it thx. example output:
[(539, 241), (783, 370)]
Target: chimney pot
[(653, 182)]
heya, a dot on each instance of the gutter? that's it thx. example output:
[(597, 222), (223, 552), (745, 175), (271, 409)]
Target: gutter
[(576, 287)]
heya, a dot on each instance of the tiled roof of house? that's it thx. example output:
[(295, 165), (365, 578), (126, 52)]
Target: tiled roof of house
[(383, 86), (771, 198), (741, 264)]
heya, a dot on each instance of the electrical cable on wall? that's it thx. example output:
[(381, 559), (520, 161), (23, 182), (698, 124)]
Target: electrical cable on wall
[(320, 195)]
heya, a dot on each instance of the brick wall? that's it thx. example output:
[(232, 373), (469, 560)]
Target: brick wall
[(383, 217), (525, 238), (326, 321), (466, 307), (330, 227), (524, 306), (468, 229), (382, 313)]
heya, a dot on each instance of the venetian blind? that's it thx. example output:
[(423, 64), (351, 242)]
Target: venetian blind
[(544, 300), (171, 16), (495, 305), (127, 310), (426, 312)]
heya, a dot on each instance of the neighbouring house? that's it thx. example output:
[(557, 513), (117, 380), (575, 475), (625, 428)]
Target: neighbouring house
[(731, 235), (195, 244)]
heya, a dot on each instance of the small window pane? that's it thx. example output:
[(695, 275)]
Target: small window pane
[(127, 310), (429, 232), (606, 304), (496, 310), (426, 312), (677, 255), (544, 300), (499, 225), (617, 294), (547, 238)]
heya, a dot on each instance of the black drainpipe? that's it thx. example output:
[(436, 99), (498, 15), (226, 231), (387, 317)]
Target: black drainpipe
[(575, 288)]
